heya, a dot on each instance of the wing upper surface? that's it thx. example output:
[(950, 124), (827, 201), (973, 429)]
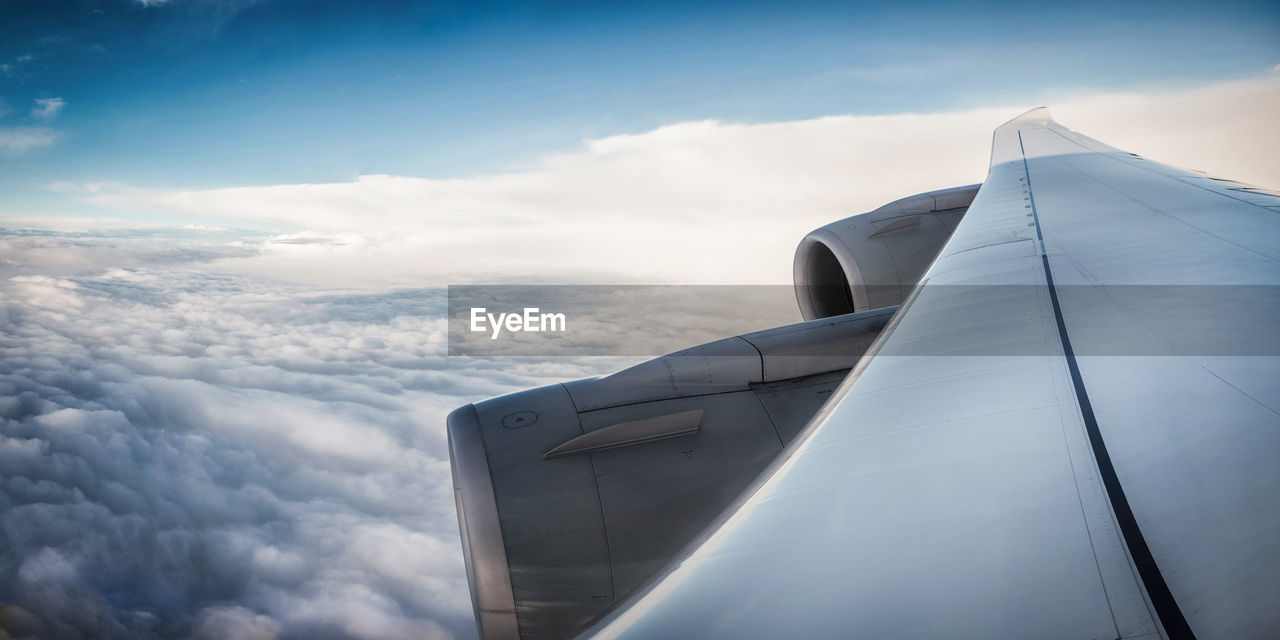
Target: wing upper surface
[(1058, 387)]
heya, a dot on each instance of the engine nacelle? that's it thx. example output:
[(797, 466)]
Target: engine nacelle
[(571, 496), (872, 260)]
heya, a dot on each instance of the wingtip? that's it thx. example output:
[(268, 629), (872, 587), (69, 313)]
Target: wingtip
[(1004, 147), (1038, 114)]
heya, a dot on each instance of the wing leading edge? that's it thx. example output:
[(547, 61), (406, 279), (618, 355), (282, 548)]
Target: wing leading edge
[(1061, 435)]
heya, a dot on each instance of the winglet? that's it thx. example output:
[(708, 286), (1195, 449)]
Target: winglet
[(1006, 145), (1038, 115)]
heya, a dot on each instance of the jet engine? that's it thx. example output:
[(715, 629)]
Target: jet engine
[(872, 260)]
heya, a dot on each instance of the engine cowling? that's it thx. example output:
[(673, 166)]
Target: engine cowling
[(571, 496), (872, 260)]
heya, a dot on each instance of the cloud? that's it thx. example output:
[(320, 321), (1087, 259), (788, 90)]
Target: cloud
[(22, 67), (4, 108), (19, 140), (687, 200), (188, 453), (47, 108), (709, 201)]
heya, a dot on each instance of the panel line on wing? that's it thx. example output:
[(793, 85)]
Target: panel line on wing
[(1167, 609)]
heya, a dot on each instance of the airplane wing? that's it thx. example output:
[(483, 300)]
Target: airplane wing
[(1071, 429)]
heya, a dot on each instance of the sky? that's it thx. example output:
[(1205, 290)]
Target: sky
[(225, 226), (209, 93)]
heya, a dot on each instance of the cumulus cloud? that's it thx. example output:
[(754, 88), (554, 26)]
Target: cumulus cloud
[(187, 453), (18, 140), (710, 201), (47, 108)]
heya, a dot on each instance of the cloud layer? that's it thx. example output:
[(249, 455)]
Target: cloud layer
[(188, 454), (705, 202)]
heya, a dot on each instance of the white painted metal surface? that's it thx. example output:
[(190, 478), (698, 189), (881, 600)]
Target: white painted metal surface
[(955, 487)]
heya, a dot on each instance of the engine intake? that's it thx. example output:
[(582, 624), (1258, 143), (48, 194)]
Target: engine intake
[(872, 260)]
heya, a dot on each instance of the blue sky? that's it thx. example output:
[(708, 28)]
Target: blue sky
[(208, 93)]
